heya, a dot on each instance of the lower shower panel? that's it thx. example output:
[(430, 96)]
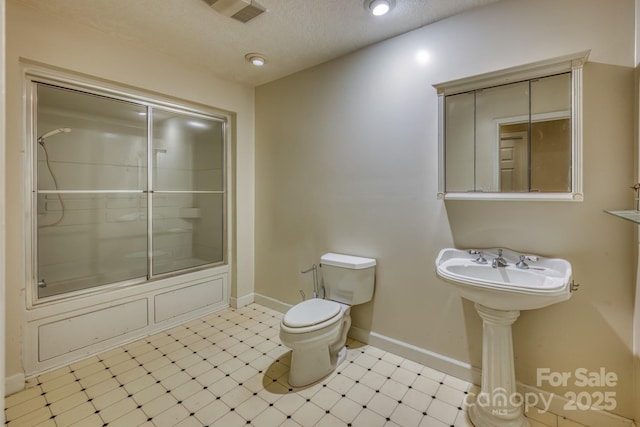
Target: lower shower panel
[(58, 338)]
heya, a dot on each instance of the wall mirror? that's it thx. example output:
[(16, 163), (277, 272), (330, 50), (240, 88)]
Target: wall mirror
[(513, 134)]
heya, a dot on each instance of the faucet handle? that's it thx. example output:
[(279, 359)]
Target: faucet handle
[(521, 263), (480, 259)]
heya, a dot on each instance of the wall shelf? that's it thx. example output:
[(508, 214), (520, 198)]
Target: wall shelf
[(629, 215)]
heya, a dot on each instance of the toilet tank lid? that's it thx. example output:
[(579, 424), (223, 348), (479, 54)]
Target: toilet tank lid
[(347, 261)]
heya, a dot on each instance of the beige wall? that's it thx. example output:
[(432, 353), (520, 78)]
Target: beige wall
[(636, 314), (79, 49), (2, 207), (636, 318), (346, 161)]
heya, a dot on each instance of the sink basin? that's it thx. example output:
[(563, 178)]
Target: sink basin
[(499, 294), (547, 280)]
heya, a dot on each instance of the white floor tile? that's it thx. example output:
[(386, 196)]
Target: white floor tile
[(394, 389), (23, 408), (61, 392), (289, 403), (308, 414), (170, 417), (229, 368), (450, 395), (23, 396), (417, 400), (199, 400), (442, 411), (40, 417), (426, 385), (432, 422), (341, 384), (75, 415), (565, 422), (406, 416), (269, 417), (133, 418), (326, 398), (107, 399), (210, 413), (368, 418), (382, 405), (346, 410), (251, 407), (456, 383), (56, 373)]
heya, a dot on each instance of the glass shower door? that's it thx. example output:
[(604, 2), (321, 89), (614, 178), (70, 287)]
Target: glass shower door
[(188, 195), (124, 191), (91, 174)]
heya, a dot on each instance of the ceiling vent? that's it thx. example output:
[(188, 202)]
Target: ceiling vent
[(241, 10)]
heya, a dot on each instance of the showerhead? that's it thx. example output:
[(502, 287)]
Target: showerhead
[(51, 133)]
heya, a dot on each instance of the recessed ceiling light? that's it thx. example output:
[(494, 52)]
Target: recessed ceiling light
[(256, 59), (379, 7)]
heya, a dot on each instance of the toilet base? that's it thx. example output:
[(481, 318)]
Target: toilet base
[(311, 365), (316, 355), (342, 356)]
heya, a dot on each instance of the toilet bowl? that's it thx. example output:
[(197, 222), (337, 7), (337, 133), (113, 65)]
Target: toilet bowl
[(316, 332), (316, 329)]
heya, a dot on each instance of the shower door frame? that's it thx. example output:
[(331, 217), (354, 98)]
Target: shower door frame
[(35, 75)]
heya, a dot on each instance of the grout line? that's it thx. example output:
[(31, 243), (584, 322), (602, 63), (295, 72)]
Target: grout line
[(225, 340)]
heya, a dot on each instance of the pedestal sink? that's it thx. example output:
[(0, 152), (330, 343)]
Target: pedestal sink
[(499, 293)]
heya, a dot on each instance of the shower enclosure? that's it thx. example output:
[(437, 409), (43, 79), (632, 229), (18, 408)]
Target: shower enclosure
[(126, 191)]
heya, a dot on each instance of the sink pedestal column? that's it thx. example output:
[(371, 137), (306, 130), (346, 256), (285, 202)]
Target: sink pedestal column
[(497, 405)]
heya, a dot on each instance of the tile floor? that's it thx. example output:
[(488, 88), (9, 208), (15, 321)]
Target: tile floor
[(230, 369)]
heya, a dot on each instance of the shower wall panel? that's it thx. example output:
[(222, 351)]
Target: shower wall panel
[(60, 335)]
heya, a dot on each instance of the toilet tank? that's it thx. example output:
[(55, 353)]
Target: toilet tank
[(348, 279)]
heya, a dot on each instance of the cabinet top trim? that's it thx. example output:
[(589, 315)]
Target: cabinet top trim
[(532, 70)]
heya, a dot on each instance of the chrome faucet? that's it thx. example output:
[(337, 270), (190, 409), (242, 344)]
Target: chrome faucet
[(499, 261), (522, 264)]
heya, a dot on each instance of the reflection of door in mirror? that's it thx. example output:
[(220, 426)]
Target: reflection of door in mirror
[(514, 173), (543, 167)]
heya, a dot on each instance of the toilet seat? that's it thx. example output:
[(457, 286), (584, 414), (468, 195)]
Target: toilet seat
[(311, 312)]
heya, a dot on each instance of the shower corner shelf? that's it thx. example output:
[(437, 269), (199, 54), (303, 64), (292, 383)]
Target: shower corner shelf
[(630, 215)]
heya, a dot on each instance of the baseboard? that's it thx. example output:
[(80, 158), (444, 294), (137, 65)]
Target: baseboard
[(465, 371), (417, 354), (241, 301), (561, 406), (14, 383), (271, 303)]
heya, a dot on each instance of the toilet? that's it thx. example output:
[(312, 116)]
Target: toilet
[(316, 329)]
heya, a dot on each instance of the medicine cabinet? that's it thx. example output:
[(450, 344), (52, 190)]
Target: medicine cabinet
[(513, 134)]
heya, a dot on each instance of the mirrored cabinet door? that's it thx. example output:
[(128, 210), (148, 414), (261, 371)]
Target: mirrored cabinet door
[(501, 160), (460, 147), (513, 134), (550, 151)]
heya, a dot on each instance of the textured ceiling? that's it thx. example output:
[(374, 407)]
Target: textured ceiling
[(292, 34)]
